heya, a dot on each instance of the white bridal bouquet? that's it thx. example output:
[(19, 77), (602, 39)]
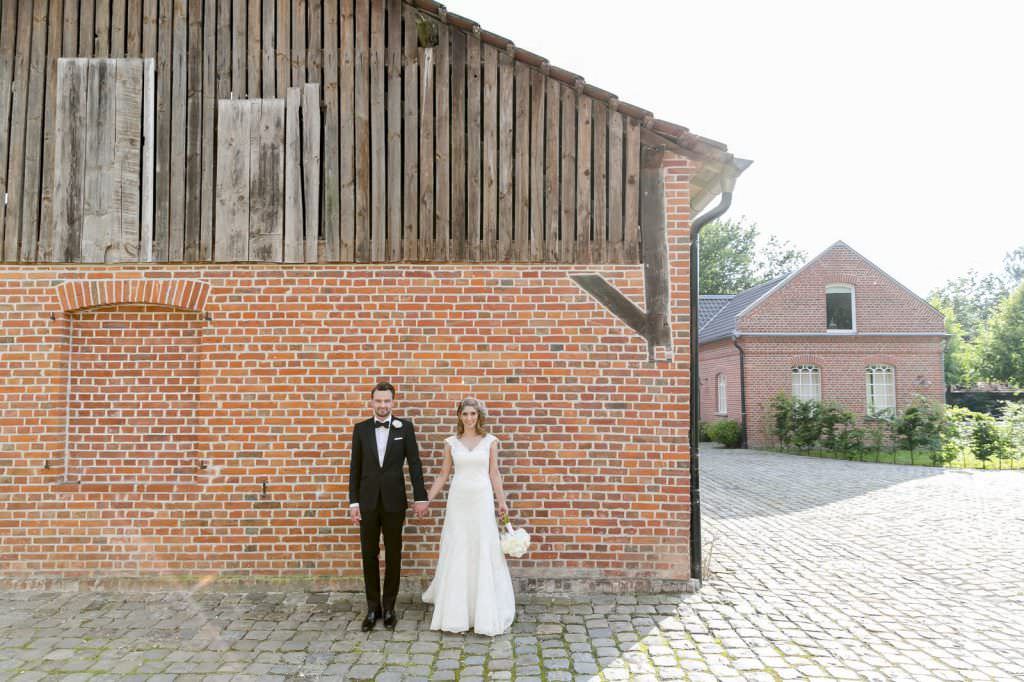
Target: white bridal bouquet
[(514, 542)]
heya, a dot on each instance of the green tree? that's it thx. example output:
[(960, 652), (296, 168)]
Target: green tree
[(1013, 427), (972, 298), (920, 425), (731, 259), (987, 439), (958, 359), (777, 257), (1013, 266), (1001, 346)]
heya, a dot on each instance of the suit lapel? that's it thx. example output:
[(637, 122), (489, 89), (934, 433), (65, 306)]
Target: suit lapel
[(370, 442)]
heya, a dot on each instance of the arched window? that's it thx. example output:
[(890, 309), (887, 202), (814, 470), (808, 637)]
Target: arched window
[(723, 402), (806, 382), (881, 390), (839, 309)]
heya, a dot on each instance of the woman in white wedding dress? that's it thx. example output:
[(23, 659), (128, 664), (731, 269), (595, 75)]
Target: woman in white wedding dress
[(472, 587)]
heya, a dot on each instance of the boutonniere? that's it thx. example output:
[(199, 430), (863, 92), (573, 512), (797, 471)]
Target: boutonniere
[(397, 424)]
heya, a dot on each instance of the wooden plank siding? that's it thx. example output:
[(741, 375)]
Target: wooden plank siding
[(8, 27), (102, 172), (407, 135), (310, 160), (294, 241)]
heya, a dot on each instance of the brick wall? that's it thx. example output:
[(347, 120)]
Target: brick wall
[(768, 362), (881, 304), (133, 394), (719, 357), (195, 420)]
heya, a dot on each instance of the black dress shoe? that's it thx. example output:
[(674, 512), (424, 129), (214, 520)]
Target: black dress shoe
[(390, 619), (370, 620)]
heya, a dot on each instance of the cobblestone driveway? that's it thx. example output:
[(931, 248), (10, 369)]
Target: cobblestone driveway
[(820, 569)]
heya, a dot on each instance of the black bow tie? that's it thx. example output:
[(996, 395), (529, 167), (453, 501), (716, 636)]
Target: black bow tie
[(382, 425)]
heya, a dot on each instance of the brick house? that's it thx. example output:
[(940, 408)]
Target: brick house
[(839, 328), (201, 284)]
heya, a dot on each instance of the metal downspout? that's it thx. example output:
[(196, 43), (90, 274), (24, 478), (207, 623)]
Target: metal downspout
[(743, 396), (695, 532)]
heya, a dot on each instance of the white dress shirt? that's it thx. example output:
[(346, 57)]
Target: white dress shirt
[(382, 439)]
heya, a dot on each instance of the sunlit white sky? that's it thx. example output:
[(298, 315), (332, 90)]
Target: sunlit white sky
[(895, 126)]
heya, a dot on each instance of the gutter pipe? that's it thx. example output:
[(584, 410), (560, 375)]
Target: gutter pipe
[(743, 395), (695, 528)]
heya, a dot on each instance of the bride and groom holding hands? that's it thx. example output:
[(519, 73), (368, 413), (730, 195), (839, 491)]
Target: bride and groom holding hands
[(472, 587)]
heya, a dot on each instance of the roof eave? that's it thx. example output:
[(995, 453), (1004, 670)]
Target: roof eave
[(716, 167)]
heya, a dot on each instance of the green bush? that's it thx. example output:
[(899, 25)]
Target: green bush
[(806, 423), (727, 432), (835, 421), (850, 441), (1013, 428), (957, 434), (920, 425), (876, 435), (781, 410), (945, 433), (702, 431), (987, 439), (979, 434)]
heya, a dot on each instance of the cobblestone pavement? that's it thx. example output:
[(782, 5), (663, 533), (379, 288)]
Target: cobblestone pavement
[(819, 569)]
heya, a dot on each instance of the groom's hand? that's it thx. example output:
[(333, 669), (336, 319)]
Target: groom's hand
[(421, 507), (356, 516)]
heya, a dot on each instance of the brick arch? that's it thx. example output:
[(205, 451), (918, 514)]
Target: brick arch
[(815, 360), (183, 294), (879, 359)]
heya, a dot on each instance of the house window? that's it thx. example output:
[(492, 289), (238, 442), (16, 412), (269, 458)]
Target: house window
[(881, 390), (723, 403), (806, 382), (839, 308)]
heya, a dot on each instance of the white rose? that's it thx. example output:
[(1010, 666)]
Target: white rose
[(515, 542)]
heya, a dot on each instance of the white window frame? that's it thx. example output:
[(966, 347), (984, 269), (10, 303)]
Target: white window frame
[(880, 396), (804, 377), (842, 289), (723, 395)]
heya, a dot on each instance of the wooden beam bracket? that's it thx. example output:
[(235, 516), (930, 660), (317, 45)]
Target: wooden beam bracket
[(653, 325), (614, 300)]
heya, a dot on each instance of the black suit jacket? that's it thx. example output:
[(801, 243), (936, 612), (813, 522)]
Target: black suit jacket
[(367, 477)]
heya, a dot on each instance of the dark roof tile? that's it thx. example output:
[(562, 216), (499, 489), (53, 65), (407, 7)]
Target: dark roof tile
[(708, 306), (723, 324)]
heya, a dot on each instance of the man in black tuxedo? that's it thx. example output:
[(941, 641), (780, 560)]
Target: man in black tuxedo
[(377, 498)]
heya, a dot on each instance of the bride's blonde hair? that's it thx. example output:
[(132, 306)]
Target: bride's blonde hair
[(481, 416)]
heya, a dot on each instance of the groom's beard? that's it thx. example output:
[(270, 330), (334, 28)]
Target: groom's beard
[(382, 413)]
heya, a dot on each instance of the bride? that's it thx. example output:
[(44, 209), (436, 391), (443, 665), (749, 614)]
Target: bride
[(472, 587)]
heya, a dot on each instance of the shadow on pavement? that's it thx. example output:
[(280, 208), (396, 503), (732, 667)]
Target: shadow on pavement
[(742, 483)]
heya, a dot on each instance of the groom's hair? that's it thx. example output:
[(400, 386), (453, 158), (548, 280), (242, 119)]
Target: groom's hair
[(383, 386)]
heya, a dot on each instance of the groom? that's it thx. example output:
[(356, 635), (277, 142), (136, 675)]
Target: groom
[(377, 499)]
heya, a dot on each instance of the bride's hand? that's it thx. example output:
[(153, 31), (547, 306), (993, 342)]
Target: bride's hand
[(502, 509)]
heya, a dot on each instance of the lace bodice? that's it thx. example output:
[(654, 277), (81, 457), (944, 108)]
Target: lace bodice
[(471, 463)]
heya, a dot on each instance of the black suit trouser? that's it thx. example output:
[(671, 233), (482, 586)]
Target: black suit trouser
[(374, 523)]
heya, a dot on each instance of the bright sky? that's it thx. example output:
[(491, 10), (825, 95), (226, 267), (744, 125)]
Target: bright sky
[(895, 126)]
